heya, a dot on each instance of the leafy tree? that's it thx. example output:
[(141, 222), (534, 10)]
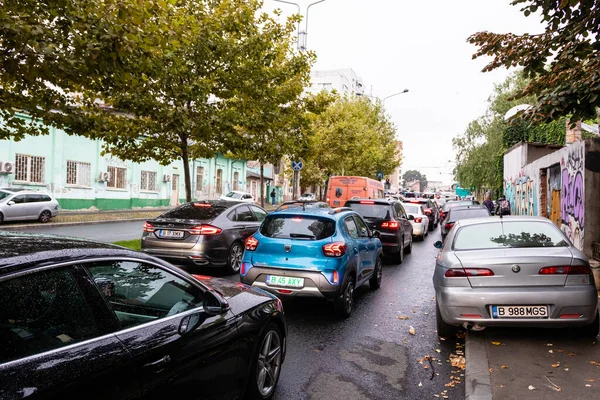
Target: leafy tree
[(414, 175), (562, 63)]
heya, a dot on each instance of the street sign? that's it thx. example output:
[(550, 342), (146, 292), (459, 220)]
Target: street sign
[(379, 175), (297, 165)]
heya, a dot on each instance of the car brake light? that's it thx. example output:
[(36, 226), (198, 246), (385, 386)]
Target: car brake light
[(427, 211), (418, 220), (367, 202), (449, 225), (390, 225), (251, 243), (335, 249), (573, 270), (148, 227), (297, 219), (244, 268), (205, 230), (464, 272)]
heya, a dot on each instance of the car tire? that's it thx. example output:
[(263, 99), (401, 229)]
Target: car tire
[(1, 218), (408, 249), (375, 281), (344, 303), (401, 251), (234, 258), (45, 216), (591, 330), (444, 329), (262, 364)]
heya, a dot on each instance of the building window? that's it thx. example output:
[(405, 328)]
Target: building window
[(29, 168), (117, 177), (79, 173), (148, 181), (199, 178), (236, 178), (219, 181)]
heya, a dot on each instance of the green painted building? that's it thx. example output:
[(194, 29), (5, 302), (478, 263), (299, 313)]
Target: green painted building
[(72, 169)]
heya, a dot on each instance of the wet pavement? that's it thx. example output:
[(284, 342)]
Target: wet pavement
[(106, 232)]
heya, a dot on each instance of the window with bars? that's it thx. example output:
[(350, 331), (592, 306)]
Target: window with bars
[(29, 168), (219, 181), (148, 181), (199, 178), (117, 177), (236, 179), (79, 173)]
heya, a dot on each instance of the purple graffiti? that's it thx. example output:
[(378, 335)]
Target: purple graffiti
[(572, 197)]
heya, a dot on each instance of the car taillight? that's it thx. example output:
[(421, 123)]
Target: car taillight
[(573, 270), (335, 249), (442, 214), (464, 272), (449, 225), (205, 230), (251, 243), (390, 225), (427, 211), (148, 227), (418, 220), (367, 202)]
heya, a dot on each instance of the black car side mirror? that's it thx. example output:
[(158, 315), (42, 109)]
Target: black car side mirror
[(438, 244), (213, 304), (376, 234), (411, 217)]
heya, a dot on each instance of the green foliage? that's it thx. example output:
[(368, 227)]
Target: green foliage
[(352, 136), (562, 63), (521, 131), (135, 244), (414, 175)]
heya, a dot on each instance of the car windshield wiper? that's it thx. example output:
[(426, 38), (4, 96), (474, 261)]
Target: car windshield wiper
[(302, 235)]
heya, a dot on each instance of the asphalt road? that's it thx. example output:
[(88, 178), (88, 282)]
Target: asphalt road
[(105, 232)]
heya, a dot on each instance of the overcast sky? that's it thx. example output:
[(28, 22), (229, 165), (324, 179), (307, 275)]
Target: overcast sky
[(420, 46)]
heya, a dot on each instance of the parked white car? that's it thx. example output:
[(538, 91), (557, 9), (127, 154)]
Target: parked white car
[(418, 219), (308, 196), (236, 195), (26, 204)]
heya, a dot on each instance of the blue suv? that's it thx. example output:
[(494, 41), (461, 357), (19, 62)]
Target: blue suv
[(313, 252)]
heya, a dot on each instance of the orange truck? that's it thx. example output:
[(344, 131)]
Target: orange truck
[(342, 188)]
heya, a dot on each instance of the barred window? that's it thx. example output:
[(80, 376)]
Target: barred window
[(236, 179), (117, 177), (219, 181), (148, 181), (199, 178), (79, 173), (29, 168)]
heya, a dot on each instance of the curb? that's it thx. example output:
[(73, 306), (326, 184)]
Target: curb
[(477, 375), (50, 224)]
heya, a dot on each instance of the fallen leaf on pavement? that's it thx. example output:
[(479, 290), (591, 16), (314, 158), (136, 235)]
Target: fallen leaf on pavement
[(420, 384), (496, 343), (437, 350), (442, 339), (595, 363), (491, 370), (556, 365), (458, 361), (402, 317), (588, 385), (554, 386), (591, 380), (549, 345), (501, 386), (572, 354), (550, 351), (566, 369), (412, 330), (531, 387), (504, 366)]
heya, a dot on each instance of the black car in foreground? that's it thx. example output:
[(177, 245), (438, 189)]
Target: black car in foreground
[(203, 233), (87, 320), (390, 219)]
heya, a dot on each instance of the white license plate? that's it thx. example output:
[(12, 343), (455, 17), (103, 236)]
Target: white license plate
[(286, 281), (170, 234), (519, 311)]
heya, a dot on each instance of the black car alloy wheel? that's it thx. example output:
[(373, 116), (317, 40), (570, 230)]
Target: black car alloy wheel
[(344, 303), (375, 281), (234, 261), (267, 364)]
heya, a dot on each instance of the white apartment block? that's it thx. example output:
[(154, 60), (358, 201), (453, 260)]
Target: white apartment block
[(344, 81)]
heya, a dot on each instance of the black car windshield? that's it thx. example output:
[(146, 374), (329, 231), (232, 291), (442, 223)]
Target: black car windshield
[(372, 211), (456, 215), (451, 204), (508, 234), (297, 227), (195, 211)]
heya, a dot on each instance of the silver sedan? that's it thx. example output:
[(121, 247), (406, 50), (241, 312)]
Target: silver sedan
[(512, 271)]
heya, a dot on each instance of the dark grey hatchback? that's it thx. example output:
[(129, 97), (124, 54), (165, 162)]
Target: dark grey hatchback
[(203, 233)]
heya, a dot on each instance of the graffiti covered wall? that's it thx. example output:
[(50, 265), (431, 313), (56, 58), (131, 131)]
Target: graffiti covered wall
[(564, 172)]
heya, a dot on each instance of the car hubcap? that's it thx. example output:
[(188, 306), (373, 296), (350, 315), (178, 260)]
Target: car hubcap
[(236, 257), (269, 362), (45, 216)]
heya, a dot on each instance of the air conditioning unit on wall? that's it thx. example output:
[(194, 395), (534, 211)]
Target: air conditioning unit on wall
[(104, 177), (166, 178), (7, 167)]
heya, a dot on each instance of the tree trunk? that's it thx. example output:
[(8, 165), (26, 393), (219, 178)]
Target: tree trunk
[(186, 169), (262, 186)]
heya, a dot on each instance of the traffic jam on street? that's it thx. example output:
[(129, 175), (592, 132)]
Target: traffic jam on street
[(191, 205)]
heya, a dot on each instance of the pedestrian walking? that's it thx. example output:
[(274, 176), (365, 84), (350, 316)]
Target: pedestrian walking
[(503, 206), (489, 203), (273, 196)]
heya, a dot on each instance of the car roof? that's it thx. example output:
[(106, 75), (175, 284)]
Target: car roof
[(468, 207), (23, 250), (315, 212), (506, 218), (374, 201)]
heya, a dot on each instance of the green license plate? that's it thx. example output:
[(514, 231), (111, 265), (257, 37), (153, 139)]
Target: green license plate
[(286, 281)]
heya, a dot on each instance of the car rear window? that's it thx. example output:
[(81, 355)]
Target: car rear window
[(455, 215), (452, 204), (508, 234), (372, 211), (195, 211), (412, 209), (297, 227)]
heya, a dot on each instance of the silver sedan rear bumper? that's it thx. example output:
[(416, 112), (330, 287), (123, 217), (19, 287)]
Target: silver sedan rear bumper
[(459, 304)]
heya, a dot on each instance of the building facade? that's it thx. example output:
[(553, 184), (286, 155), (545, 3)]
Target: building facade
[(73, 170), (344, 81)]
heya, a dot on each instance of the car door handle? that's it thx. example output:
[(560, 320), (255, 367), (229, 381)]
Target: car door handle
[(159, 363)]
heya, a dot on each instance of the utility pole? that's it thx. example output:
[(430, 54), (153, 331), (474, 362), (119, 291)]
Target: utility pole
[(302, 40)]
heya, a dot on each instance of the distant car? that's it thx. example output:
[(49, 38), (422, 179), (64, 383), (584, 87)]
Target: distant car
[(418, 219), (452, 203), (18, 205), (89, 320), (317, 252), (431, 210), (236, 195), (515, 272), (462, 212), (203, 233), (391, 220), (302, 204), (307, 196)]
